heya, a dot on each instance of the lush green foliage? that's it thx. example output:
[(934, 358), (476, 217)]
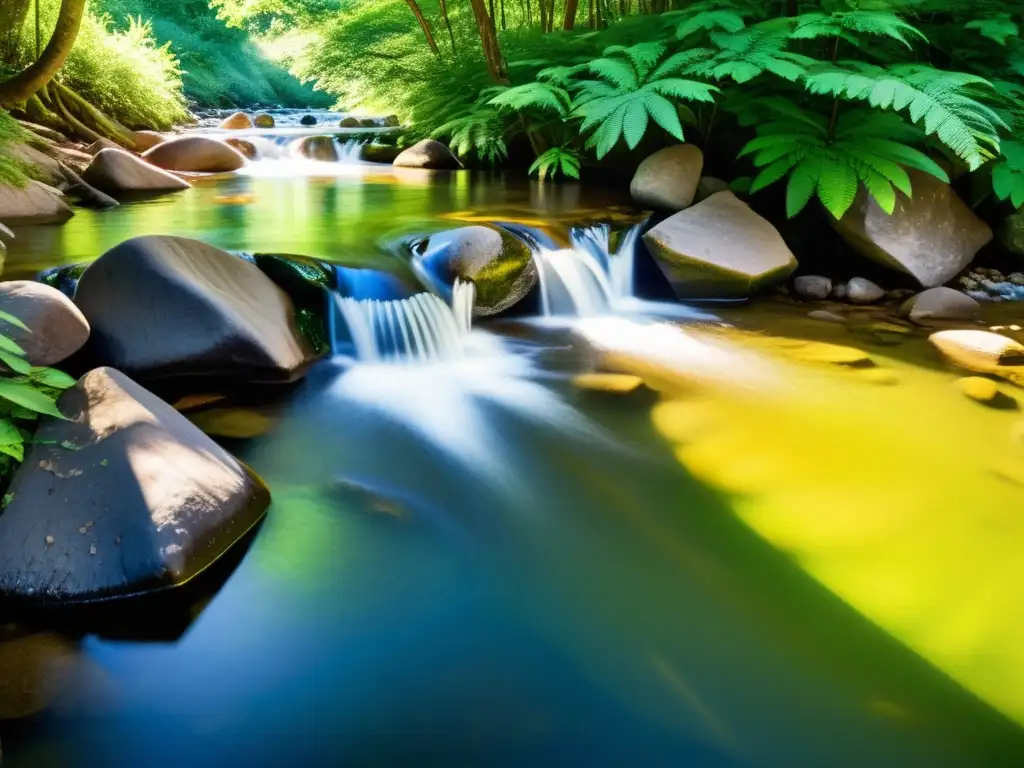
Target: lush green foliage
[(11, 170), (25, 393)]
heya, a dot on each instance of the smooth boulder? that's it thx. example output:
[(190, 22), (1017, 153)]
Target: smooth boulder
[(35, 203), (196, 154), (101, 143), (307, 120), (143, 500), (719, 248), (940, 304), (429, 154), (348, 122), (163, 306), (147, 140), (116, 171), (500, 266), (320, 148), (978, 350), (932, 236), (56, 327), (667, 180), (812, 287), (239, 121), (244, 146), (378, 153), (860, 290), (263, 120)]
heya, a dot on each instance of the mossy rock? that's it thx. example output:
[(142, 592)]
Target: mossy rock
[(64, 279)]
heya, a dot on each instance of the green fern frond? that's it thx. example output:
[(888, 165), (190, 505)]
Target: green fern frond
[(540, 96), (727, 20), (1008, 174), (879, 23), (554, 161), (997, 28)]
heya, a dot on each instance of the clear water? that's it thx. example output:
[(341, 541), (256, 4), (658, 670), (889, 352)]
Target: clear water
[(773, 560)]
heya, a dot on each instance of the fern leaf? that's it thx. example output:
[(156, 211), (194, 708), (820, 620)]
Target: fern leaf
[(608, 134), (634, 123), (687, 90), (879, 188), (837, 185), (664, 114), (997, 28), (775, 171), (724, 19), (803, 182), (616, 71)]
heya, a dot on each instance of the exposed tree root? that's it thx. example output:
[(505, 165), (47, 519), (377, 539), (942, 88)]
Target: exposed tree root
[(57, 106)]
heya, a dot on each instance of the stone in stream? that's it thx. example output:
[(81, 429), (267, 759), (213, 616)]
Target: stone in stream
[(263, 120), (860, 290), (244, 146), (35, 203), (307, 120), (981, 351), (57, 328), (391, 121), (812, 287), (116, 171), (147, 140), (142, 502), (940, 304), (667, 180), (236, 122), (428, 154), (84, 193), (709, 185), (322, 148), (378, 153), (164, 306), (195, 153), (826, 316), (349, 122), (932, 236), (719, 248), (101, 143), (500, 266), (980, 389)]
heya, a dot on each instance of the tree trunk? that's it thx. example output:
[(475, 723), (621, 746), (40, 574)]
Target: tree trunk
[(12, 19), (448, 23), (503, 27), (415, 8), (529, 14), (542, 4), (26, 84), (489, 40), (570, 14)]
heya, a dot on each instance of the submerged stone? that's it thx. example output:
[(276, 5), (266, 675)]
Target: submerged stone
[(719, 248), (143, 501), (609, 383), (500, 266), (940, 304), (826, 316), (978, 388), (860, 290)]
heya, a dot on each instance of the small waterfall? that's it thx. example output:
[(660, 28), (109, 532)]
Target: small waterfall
[(418, 329), (349, 152), (586, 279), (463, 303)]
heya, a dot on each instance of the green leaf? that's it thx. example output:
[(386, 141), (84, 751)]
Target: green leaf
[(837, 186), (26, 396), (9, 434), (634, 123), (14, 450), (997, 28), (7, 316), (9, 345), (16, 363), (51, 377), (802, 183)]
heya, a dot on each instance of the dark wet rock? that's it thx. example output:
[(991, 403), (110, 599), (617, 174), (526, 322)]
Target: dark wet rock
[(307, 120), (263, 120), (348, 122), (116, 171), (244, 146), (860, 290), (368, 122), (234, 423), (391, 121), (428, 154), (84, 193), (932, 236), (35, 203), (709, 185), (196, 154), (172, 306), (813, 287), (64, 279), (719, 248), (940, 304), (378, 153), (34, 670), (321, 148), (236, 122), (144, 501), (57, 328), (498, 264), (667, 180), (147, 140), (1010, 233)]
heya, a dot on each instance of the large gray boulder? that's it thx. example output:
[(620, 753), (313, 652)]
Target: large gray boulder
[(56, 327), (171, 306), (940, 304), (719, 248), (125, 497), (428, 154), (931, 236), (117, 172), (199, 154), (667, 180), (35, 203), (500, 266)]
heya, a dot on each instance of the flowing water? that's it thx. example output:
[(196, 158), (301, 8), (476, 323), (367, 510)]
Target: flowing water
[(779, 554)]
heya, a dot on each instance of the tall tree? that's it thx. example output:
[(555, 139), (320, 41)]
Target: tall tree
[(448, 23), (31, 80), (489, 39), (424, 25), (12, 18), (570, 14)]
